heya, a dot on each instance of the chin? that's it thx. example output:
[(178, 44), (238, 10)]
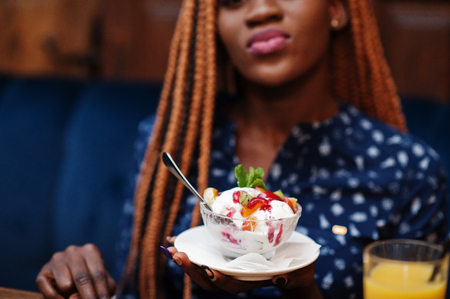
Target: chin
[(270, 76), (271, 81)]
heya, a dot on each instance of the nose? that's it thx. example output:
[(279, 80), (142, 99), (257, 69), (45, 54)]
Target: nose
[(263, 11)]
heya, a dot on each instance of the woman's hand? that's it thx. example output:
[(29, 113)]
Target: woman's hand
[(298, 282), (77, 272), (292, 284), (209, 279)]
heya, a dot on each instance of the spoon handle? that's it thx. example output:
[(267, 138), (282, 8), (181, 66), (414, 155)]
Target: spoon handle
[(173, 168)]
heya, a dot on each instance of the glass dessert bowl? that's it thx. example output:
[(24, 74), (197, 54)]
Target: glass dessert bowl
[(238, 236)]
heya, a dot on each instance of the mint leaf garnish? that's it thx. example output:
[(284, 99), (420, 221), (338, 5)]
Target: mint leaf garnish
[(258, 183), (252, 179), (259, 173), (241, 175)]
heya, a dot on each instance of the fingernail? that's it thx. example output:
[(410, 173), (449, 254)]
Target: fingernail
[(168, 239), (207, 272), (178, 261), (165, 251), (280, 282)]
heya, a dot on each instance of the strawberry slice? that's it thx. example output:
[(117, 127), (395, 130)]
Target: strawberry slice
[(257, 201), (227, 237), (255, 204), (271, 233), (268, 194), (279, 235), (236, 195), (245, 212)]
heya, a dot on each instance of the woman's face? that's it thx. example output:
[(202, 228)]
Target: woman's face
[(272, 42)]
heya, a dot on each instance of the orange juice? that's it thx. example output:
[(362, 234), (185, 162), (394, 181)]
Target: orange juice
[(403, 280)]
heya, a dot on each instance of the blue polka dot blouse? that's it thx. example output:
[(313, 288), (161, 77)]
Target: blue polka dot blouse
[(357, 180)]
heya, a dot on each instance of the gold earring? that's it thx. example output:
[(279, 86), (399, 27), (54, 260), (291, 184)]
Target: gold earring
[(334, 23)]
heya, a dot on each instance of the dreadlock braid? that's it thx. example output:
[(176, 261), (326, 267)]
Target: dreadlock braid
[(358, 50), (209, 29), (187, 103), (210, 94), (184, 119), (150, 159), (148, 286)]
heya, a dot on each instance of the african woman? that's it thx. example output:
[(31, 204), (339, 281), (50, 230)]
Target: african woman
[(300, 88)]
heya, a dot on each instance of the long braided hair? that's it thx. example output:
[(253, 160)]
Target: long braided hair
[(184, 119)]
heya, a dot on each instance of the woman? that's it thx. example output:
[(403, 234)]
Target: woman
[(315, 107)]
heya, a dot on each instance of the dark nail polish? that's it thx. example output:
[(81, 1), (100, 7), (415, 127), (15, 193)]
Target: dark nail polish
[(207, 272), (165, 251), (280, 282)]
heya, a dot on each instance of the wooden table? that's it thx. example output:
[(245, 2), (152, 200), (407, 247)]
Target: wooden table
[(6, 293)]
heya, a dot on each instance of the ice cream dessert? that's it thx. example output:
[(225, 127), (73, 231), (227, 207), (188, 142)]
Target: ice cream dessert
[(250, 218)]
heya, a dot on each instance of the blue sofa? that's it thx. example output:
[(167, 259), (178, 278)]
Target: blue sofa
[(65, 153)]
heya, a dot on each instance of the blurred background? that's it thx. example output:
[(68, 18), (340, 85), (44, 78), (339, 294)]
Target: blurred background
[(129, 40), (77, 76)]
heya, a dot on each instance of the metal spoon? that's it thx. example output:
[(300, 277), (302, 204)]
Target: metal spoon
[(173, 168)]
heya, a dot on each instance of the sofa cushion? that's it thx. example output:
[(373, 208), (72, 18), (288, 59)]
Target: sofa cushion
[(98, 149), (430, 121), (33, 115), (4, 80)]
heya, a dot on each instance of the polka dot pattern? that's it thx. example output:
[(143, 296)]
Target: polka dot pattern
[(350, 171)]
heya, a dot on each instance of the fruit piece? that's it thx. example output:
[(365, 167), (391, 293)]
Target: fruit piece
[(236, 195), (210, 195), (279, 235), (231, 212), (246, 212), (269, 194), (227, 237), (249, 225), (244, 198), (257, 201), (270, 233), (292, 202), (279, 193), (255, 204)]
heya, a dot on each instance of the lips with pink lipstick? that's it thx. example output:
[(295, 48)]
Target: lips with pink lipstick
[(267, 42)]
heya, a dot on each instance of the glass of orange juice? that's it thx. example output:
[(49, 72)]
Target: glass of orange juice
[(404, 269)]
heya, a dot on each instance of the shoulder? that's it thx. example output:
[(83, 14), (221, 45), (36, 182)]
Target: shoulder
[(146, 125), (145, 129), (144, 132)]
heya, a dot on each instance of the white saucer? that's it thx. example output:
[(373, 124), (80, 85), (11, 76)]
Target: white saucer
[(202, 249)]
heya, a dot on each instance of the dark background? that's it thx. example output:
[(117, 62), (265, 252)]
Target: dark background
[(129, 40)]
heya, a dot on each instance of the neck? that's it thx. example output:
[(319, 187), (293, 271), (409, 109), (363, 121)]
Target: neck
[(266, 115), (305, 100)]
